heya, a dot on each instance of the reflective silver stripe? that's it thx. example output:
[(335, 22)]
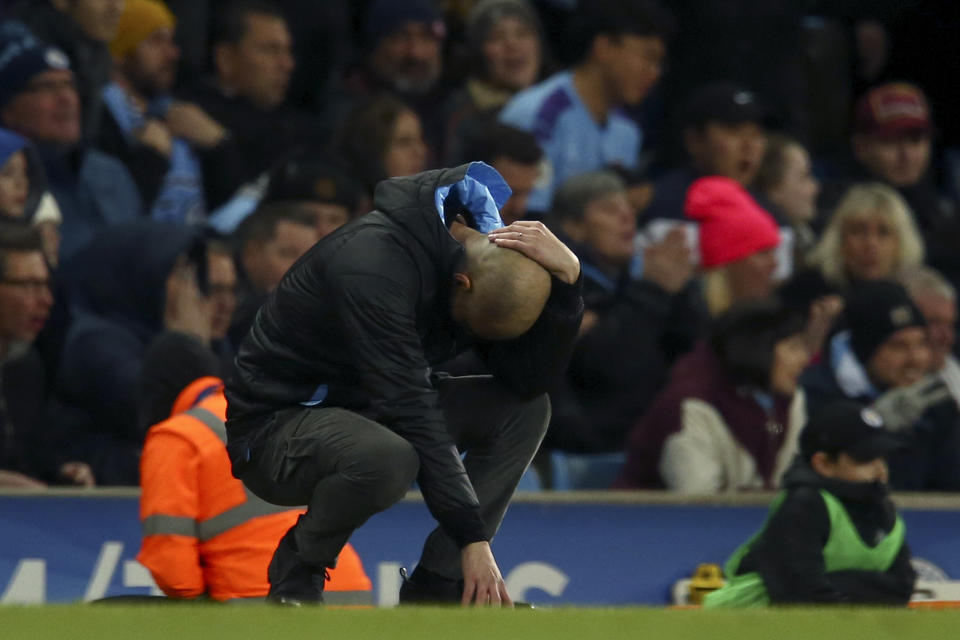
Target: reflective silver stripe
[(169, 525), (210, 419), (252, 508), (348, 598)]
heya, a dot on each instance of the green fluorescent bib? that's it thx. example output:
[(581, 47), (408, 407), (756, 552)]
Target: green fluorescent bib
[(845, 550)]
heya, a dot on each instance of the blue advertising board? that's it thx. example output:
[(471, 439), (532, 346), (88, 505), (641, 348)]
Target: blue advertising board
[(589, 551)]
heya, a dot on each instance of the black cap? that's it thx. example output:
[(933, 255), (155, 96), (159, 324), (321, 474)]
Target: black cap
[(724, 102), (306, 176), (876, 310), (847, 427)]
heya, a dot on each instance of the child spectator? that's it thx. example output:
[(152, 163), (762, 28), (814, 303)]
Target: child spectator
[(14, 176), (833, 536), (39, 101)]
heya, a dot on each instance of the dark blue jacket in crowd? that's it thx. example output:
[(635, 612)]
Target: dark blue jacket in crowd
[(116, 291), (93, 190)]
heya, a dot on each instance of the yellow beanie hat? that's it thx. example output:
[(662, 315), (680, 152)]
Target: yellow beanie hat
[(140, 18)]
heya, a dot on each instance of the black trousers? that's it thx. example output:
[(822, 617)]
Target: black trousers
[(346, 467)]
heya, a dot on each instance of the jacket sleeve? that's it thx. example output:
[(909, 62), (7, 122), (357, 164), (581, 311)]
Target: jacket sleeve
[(616, 369), (529, 364), (224, 170), (147, 166), (626, 336), (692, 458), (893, 586), (377, 316), (790, 552), (169, 507)]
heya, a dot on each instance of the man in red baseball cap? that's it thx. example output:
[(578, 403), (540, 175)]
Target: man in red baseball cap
[(892, 142), (892, 134)]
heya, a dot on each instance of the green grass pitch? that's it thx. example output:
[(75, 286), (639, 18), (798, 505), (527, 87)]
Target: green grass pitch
[(261, 622)]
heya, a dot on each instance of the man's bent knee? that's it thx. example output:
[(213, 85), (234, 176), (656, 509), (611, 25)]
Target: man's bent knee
[(386, 469)]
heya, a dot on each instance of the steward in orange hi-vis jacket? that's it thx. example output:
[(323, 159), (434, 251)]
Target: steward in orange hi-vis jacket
[(203, 532)]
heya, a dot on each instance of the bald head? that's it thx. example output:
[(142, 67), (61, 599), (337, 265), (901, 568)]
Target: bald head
[(498, 293)]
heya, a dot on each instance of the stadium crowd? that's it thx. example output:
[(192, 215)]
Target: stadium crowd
[(762, 196)]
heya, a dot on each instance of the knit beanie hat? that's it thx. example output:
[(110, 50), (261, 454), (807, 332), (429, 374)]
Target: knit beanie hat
[(485, 14), (10, 143), (306, 175), (876, 310), (732, 224), (386, 16), (140, 19), (23, 56)]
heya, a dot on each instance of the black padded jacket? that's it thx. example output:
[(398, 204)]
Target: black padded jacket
[(360, 320)]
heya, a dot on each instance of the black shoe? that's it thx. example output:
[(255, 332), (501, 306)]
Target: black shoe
[(292, 581), (426, 587)]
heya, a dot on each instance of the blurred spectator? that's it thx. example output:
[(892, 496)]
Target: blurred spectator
[(892, 143), (633, 327), (253, 62), (125, 287), (786, 180), (25, 302), (185, 479), (724, 134), (736, 238), (730, 416), (381, 139), (267, 244), (403, 58), (639, 186), (38, 100), (883, 358), (516, 156), (82, 29), (134, 128), (576, 115), (871, 236), (320, 184), (222, 275), (754, 43), (937, 300), (23, 191), (505, 41)]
